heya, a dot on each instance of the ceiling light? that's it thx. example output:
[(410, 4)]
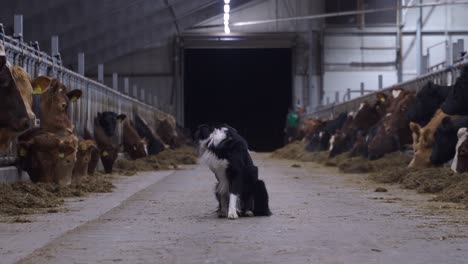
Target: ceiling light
[(227, 8)]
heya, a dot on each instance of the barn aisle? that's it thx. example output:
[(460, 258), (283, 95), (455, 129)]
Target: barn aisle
[(318, 217)]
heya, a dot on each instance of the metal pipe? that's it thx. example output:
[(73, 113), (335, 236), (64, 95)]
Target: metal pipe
[(399, 41), (419, 44), (347, 13)]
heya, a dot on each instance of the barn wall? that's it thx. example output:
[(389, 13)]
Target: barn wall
[(345, 45)]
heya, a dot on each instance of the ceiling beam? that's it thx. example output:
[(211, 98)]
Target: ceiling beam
[(142, 34)]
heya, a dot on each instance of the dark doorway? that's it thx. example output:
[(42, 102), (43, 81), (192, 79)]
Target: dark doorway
[(249, 89)]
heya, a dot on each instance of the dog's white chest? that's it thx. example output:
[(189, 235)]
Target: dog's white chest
[(213, 162), (218, 167)]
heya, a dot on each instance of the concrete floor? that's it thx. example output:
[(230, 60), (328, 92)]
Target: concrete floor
[(319, 217)]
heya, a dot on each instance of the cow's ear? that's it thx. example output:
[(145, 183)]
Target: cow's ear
[(40, 83), (74, 95), (121, 117), (382, 97), (461, 132), (415, 127)]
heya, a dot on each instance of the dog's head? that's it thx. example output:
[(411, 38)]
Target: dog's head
[(202, 133), (213, 132)]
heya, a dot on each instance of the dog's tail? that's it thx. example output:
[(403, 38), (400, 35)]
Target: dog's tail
[(261, 207)]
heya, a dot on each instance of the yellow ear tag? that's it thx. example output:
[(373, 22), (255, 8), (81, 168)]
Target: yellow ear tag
[(74, 99), (382, 99), (105, 153), (22, 152), (84, 147), (61, 155), (120, 120), (37, 90)]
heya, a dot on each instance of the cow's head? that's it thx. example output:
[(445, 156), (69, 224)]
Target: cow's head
[(384, 141), (13, 113), (168, 133), (108, 151), (460, 162), (23, 83), (109, 121), (359, 147), (341, 142), (135, 146), (55, 100), (393, 131), (422, 148), (455, 103), (310, 125), (109, 155), (83, 157), (445, 141), (52, 157), (367, 115)]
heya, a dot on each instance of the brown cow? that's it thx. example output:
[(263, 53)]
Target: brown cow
[(47, 157), (133, 144), (23, 84), (107, 149), (393, 131), (365, 117), (13, 113), (309, 126), (94, 159), (55, 100), (55, 125), (83, 157), (423, 139), (167, 131)]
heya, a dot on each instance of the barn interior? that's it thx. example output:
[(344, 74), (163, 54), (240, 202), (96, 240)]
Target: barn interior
[(353, 112)]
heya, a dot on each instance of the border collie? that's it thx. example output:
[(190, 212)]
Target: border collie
[(238, 191)]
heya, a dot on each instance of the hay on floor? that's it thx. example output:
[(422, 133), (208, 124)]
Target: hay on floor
[(169, 159), (27, 198)]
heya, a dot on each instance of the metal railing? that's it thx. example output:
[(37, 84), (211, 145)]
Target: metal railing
[(444, 76), (96, 97)]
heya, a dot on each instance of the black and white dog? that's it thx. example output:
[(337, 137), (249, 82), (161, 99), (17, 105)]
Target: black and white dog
[(238, 189)]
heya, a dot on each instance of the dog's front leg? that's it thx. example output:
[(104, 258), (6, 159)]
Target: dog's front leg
[(234, 192), (232, 213), (223, 205)]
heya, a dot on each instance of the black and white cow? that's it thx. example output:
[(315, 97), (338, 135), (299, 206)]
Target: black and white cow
[(455, 103), (238, 189), (460, 160), (428, 100), (154, 143), (324, 135), (445, 139)]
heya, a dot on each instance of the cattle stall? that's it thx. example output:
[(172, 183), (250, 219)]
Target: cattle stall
[(445, 76), (96, 97)]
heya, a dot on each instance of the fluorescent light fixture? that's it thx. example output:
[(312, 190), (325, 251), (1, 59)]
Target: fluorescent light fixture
[(226, 22), (227, 8), (226, 17), (227, 1), (227, 30)]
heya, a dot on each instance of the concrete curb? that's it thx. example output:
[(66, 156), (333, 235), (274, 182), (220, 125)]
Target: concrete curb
[(20, 240)]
